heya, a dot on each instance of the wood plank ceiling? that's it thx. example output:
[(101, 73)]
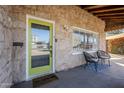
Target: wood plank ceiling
[(113, 15)]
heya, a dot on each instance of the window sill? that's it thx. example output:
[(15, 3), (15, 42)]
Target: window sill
[(77, 53), (80, 53)]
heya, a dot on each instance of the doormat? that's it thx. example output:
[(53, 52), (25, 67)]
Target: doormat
[(44, 80)]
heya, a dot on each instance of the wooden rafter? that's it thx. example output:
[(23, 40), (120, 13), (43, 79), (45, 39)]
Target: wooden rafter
[(95, 7), (107, 10), (109, 14), (119, 16), (114, 21), (118, 19), (115, 17)]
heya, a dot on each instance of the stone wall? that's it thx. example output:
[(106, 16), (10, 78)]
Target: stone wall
[(5, 48), (62, 15), (116, 46)]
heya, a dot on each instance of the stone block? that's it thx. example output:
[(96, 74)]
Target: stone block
[(1, 33)]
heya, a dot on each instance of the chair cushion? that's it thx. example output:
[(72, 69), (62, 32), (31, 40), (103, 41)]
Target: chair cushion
[(90, 58), (94, 60)]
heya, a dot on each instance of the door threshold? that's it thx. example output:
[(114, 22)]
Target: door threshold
[(44, 80)]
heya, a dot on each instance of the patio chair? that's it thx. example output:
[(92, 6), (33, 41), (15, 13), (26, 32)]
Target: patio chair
[(91, 59), (102, 55)]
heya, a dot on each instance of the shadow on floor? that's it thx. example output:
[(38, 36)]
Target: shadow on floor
[(106, 77)]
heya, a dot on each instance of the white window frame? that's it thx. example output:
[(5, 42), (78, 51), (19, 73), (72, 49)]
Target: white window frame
[(85, 31)]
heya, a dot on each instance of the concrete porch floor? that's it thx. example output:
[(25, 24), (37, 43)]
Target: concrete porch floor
[(106, 77)]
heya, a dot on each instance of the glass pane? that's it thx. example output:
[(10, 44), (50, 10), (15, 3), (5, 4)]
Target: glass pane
[(95, 42), (76, 40), (40, 45), (88, 41), (82, 40)]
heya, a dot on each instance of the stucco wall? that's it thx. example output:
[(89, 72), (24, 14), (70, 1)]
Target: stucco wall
[(62, 15)]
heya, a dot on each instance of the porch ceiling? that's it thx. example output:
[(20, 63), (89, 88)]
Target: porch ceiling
[(113, 15)]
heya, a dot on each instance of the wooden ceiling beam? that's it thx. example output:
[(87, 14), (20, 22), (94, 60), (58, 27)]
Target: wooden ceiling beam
[(113, 15), (109, 14), (107, 17), (119, 16), (111, 20), (118, 19), (95, 7), (107, 10), (115, 21)]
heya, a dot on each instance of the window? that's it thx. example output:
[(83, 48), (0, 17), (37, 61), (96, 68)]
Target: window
[(84, 40)]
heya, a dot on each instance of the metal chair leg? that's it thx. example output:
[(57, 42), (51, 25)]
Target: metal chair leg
[(109, 62), (85, 65), (104, 61), (96, 66)]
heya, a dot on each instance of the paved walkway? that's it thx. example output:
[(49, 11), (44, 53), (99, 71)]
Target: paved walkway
[(106, 77)]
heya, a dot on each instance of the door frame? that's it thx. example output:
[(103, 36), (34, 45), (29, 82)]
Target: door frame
[(27, 51)]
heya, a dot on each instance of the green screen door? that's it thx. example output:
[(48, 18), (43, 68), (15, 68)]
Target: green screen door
[(40, 36)]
